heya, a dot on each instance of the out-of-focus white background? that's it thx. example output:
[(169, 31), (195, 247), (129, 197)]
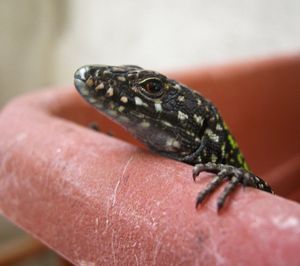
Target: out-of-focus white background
[(43, 42)]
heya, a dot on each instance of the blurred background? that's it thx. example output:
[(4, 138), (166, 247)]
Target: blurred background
[(43, 42)]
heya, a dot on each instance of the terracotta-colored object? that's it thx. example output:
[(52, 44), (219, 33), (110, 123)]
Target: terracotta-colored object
[(100, 201)]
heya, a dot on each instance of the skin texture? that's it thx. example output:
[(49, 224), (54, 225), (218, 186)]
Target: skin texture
[(171, 119)]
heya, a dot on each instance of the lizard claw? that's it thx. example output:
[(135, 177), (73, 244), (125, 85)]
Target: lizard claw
[(209, 167)]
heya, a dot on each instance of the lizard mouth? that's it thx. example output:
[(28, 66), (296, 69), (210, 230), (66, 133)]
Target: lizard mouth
[(80, 80)]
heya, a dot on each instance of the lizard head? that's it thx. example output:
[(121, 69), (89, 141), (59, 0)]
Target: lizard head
[(162, 113)]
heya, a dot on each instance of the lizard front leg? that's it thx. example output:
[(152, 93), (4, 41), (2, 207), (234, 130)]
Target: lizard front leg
[(233, 175)]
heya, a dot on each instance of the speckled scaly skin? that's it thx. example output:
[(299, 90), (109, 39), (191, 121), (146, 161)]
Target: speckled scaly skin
[(171, 119)]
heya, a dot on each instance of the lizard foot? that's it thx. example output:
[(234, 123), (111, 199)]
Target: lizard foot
[(231, 174)]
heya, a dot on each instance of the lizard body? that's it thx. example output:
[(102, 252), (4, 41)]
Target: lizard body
[(171, 119)]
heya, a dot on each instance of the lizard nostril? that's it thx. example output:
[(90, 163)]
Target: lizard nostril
[(80, 73), (80, 79)]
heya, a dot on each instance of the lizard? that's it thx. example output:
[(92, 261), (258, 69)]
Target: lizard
[(172, 120)]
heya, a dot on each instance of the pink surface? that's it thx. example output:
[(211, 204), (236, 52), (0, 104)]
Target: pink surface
[(98, 200)]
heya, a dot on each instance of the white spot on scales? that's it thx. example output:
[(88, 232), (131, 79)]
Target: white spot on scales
[(214, 158), (166, 123), (144, 124), (157, 106), (121, 108), (177, 86), (124, 99), (139, 101), (212, 135), (219, 127), (181, 98), (99, 87), (198, 119), (182, 116), (109, 92), (171, 142), (121, 78)]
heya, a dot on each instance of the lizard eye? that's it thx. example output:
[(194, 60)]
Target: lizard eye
[(152, 87)]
